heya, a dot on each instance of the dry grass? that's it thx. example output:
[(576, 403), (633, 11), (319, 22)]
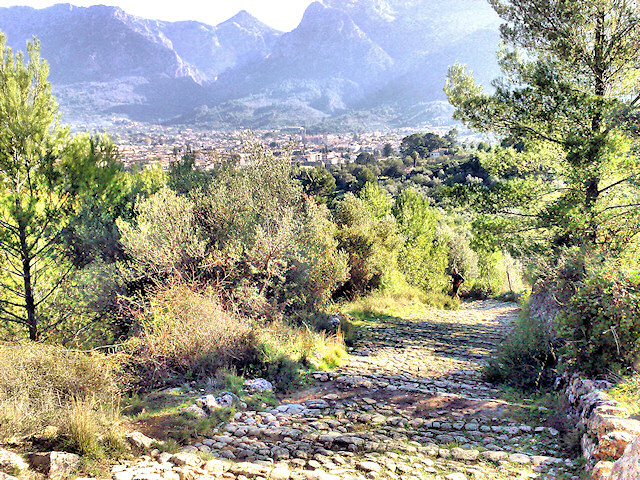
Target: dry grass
[(187, 332), (40, 383)]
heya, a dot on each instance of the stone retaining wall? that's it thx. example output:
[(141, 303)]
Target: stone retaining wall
[(607, 436)]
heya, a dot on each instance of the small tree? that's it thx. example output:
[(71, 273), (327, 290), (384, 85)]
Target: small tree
[(41, 183)]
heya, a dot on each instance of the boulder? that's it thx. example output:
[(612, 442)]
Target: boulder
[(249, 469), (194, 410), (11, 462), (463, 454), (280, 473), (604, 424), (140, 441), (187, 459), (258, 385), (216, 467), (227, 399), (55, 464), (613, 445), (6, 476), (627, 467), (602, 470)]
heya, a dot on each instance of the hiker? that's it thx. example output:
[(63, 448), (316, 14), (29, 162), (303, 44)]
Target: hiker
[(456, 281)]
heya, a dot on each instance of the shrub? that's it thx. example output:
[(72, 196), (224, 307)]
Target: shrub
[(601, 323), (164, 238), (527, 356), (43, 385), (185, 332), (370, 242)]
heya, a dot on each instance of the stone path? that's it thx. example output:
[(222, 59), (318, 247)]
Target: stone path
[(410, 404)]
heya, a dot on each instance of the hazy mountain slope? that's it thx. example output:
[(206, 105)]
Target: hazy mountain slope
[(212, 50), (377, 61), (94, 44)]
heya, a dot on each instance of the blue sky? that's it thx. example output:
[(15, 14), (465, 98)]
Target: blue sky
[(281, 14)]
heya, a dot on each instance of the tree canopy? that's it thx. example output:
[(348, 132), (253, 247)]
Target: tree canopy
[(44, 173), (567, 95)]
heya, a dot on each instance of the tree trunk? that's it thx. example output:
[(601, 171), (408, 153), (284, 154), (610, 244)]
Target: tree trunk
[(29, 300), (591, 184)]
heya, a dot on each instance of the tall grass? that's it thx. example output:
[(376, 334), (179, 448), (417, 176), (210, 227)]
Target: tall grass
[(526, 358), (398, 298), (73, 393), (186, 333)]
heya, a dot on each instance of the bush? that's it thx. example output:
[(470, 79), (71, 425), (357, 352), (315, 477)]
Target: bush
[(43, 385), (187, 335), (370, 238), (527, 357), (601, 323), (185, 332)]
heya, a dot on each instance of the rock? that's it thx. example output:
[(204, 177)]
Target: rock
[(369, 466), (6, 476), (604, 424), (249, 469), (227, 399), (520, 458), (12, 461), (462, 454), (602, 470), (188, 459), (209, 402), (494, 456), (318, 475), (140, 441), (258, 385), (627, 467), (612, 445), (318, 403), (216, 467), (291, 408), (280, 473), (55, 464), (194, 410), (456, 476)]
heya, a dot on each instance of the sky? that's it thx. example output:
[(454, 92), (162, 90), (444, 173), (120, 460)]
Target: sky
[(281, 14)]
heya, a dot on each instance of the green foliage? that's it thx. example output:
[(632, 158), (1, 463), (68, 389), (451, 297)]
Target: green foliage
[(563, 103), (59, 198), (601, 323), (165, 238), (527, 357), (319, 183), (369, 237), (184, 177), (421, 144), (627, 392), (423, 257)]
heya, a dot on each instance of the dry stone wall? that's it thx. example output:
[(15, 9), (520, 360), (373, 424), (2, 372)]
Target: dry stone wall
[(608, 436)]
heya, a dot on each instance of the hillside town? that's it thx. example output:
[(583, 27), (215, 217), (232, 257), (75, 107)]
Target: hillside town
[(147, 146)]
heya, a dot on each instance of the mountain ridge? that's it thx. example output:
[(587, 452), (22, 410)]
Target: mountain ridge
[(347, 57)]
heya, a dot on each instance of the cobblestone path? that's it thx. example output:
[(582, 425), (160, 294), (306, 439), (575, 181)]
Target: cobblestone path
[(409, 404)]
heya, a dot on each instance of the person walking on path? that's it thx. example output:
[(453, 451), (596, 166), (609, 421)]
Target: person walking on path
[(456, 281)]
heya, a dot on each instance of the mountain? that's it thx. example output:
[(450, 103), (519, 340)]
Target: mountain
[(350, 62)]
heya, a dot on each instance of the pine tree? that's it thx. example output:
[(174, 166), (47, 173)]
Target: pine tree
[(44, 172), (566, 98)]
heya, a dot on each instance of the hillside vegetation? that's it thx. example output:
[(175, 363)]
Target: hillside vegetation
[(120, 288)]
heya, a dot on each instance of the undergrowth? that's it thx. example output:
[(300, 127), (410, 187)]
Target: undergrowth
[(627, 392)]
